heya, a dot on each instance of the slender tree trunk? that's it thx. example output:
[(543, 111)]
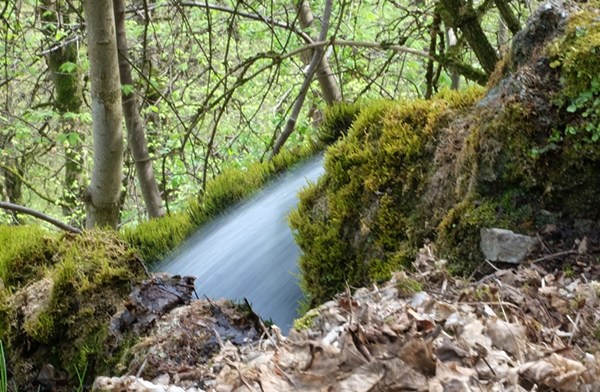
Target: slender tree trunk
[(429, 75), (327, 81), (454, 75), (460, 14), (312, 67), (102, 196), (67, 98), (508, 16), (133, 121)]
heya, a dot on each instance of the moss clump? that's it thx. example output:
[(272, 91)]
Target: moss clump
[(407, 286), (356, 224), (155, 238), (24, 250), (306, 321), (63, 318), (338, 119)]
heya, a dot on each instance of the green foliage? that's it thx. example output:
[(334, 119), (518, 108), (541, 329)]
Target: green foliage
[(24, 250), (3, 370), (576, 54)]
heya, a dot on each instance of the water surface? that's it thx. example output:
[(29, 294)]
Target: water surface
[(249, 252)]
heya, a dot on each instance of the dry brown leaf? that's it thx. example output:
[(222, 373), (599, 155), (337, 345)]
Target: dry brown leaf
[(508, 337), (554, 371)]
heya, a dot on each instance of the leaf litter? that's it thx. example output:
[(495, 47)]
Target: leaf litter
[(523, 329)]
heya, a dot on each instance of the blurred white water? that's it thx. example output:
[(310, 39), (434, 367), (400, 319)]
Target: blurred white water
[(249, 252)]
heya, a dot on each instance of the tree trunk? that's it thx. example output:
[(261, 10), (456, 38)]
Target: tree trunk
[(312, 67), (102, 196), (67, 98), (429, 77), (327, 81), (508, 16), (460, 14), (452, 42), (133, 121)]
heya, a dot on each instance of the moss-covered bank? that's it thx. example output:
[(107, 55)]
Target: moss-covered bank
[(59, 294), (523, 155)]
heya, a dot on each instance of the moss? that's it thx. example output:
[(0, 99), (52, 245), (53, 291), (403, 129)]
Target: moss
[(63, 318), (355, 225), (407, 286), (155, 238), (24, 250), (338, 119), (458, 232), (306, 321)]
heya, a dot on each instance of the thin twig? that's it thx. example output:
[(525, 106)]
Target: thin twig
[(554, 256)]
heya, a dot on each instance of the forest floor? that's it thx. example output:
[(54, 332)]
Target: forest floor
[(534, 327)]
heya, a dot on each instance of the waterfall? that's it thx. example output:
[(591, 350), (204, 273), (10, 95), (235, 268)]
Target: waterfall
[(249, 252)]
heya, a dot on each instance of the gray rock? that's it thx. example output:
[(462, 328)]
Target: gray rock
[(505, 246)]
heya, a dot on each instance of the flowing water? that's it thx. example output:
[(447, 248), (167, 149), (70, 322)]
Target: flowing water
[(249, 252)]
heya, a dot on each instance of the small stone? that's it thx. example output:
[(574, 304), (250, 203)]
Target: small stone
[(584, 246), (506, 246)]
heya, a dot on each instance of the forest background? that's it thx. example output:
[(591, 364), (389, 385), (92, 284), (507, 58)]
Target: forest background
[(208, 86)]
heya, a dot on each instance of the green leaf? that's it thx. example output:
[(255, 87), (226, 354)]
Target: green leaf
[(67, 67), (126, 89)]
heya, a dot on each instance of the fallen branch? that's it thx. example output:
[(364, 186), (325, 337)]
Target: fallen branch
[(39, 215), (554, 256)]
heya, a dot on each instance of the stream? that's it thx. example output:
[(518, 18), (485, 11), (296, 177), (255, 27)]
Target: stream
[(249, 252)]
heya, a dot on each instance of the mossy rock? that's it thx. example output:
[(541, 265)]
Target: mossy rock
[(443, 169), (356, 224), (62, 318)]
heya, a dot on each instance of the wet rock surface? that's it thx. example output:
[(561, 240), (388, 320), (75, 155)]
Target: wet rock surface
[(509, 331), (150, 300)]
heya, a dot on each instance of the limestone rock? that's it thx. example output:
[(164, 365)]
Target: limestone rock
[(505, 246)]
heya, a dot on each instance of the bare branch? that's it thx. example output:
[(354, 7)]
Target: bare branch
[(39, 215)]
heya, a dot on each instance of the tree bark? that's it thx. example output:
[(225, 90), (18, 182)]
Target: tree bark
[(460, 14), (312, 67), (435, 30), (327, 81), (67, 99), (135, 129), (102, 196), (508, 16)]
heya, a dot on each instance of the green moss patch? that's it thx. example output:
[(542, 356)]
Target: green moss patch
[(62, 318), (24, 250), (356, 224)]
